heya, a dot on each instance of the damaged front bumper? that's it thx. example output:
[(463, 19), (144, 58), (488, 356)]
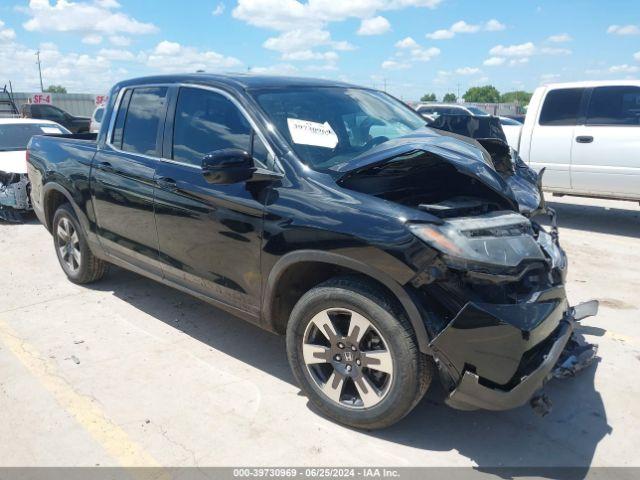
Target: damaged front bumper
[(14, 196), (496, 357)]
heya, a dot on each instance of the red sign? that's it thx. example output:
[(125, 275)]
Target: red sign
[(101, 100), (41, 98)]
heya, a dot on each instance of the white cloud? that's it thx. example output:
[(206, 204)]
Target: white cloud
[(92, 39), (560, 38), (521, 50), (623, 30), (173, 57), (279, 69), (494, 25), (6, 34), (467, 71), (303, 55), (623, 68), (374, 26), (461, 26), (303, 25), (514, 62), (424, 54), (120, 40), (117, 54), (441, 34), (409, 42), (395, 65), (219, 10), (98, 16), (494, 61), (637, 56)]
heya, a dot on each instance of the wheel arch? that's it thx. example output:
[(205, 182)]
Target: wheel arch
[(53, 196), (292, 276)]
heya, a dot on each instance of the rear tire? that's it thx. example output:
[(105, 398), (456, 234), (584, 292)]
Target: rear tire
[(355, 355), (76, 259)]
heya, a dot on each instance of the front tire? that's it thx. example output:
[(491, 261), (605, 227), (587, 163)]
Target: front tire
[(76, 259), (354, 354)]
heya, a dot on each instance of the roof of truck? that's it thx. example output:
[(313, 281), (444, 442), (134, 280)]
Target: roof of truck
[(593, 83), (237, 80)]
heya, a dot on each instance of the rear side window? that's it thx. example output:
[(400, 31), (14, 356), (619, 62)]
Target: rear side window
[(561, 107), (116, 139), (97, 115), (206, 122), (614, 106), (143, 118)]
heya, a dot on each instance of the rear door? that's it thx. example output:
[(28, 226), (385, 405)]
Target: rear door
[(552, 136), (210, 234), (606, 151), (123, 178)]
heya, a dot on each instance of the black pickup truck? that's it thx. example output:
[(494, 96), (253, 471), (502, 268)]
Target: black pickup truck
[(386, 252)]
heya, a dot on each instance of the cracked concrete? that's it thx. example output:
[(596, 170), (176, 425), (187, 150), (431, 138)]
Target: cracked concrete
[(211, 390)]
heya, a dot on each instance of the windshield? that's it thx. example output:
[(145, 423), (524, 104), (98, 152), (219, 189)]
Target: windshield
[(16, 136), (328, 126)]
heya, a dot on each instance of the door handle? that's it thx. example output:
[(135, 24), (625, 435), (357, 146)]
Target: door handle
[(167, 183), (584, 139), (106, 166)]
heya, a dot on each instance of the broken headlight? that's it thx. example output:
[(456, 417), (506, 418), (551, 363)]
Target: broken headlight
[(495, 239)]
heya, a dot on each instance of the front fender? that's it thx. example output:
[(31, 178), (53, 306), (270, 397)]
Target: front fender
[(329, 258)]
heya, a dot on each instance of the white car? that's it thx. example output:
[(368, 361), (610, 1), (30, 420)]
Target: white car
[(96, 119), (587, 137), (512, 129), (15, 134)]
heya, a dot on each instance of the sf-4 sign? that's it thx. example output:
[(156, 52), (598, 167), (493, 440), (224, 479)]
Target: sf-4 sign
[(40, 98)]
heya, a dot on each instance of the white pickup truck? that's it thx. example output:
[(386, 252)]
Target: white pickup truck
[(587, 136)]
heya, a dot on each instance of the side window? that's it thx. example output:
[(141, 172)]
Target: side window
[(561, 107), (116, 139), (52, 113), (614, 106), (206, 122), (144, 116)]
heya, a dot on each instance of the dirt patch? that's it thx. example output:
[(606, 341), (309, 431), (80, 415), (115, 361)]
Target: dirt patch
[(616, 304)]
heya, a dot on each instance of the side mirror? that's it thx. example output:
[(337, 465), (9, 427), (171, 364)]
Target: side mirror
[(228, 166)]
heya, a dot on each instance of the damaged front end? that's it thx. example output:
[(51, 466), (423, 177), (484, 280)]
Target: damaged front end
[(14, 196), (491, 286)]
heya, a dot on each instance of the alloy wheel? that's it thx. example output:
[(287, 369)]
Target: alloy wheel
[(68, 245), (348, 358)]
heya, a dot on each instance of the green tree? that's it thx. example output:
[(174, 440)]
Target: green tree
[(450, 98), (520, 96), (428, 97), (56, 89), (485, 94)]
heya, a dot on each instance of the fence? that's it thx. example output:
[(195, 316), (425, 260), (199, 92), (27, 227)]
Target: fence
[(80, 104)]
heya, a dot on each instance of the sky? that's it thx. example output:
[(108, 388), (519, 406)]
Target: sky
[(408, 47)]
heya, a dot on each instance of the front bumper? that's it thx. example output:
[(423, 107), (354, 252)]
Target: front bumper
[(496, 357)]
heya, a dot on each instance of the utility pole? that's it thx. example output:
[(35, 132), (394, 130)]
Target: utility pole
[(40, 71), (458, 91)]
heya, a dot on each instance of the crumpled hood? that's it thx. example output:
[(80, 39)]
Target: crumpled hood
[(466, 155), (13, 162)]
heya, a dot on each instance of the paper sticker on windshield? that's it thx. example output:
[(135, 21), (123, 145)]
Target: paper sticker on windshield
[(312, 133), (50, 130)]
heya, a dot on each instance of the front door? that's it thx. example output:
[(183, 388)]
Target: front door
[(123, 178), (606, 151), (209, 235), (552, 138)]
